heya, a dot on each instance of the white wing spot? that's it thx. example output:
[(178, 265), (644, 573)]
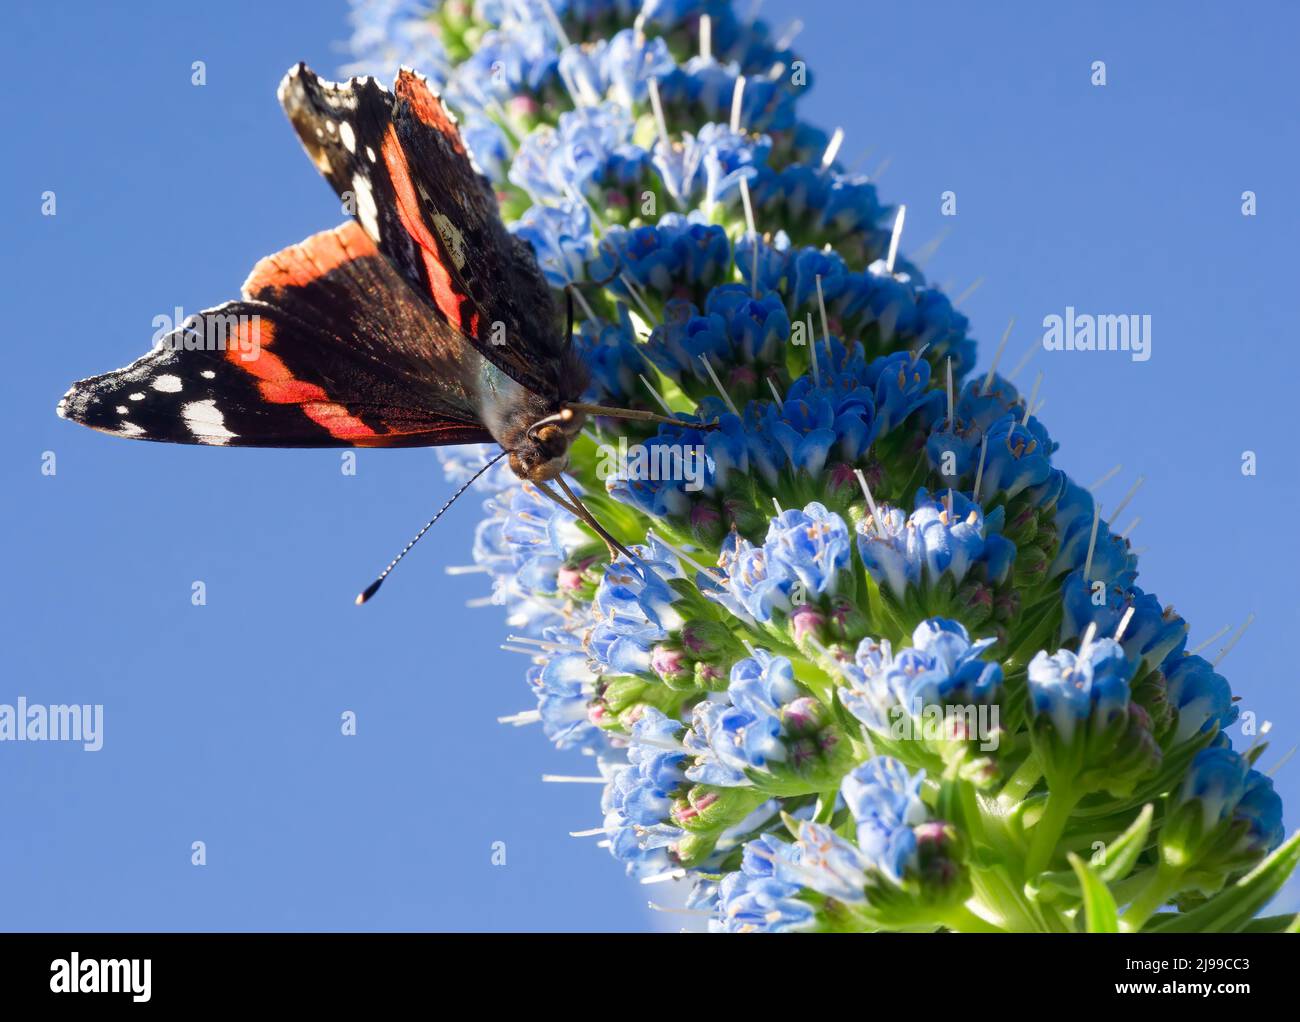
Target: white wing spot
[(370, 154), (167, 383), (205, 421), (348, 137), (125, 428), (367, 211), (120, 409), (137, 396), (208, 374)]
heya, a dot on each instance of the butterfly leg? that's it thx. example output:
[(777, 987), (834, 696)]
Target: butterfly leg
[(579, 510)]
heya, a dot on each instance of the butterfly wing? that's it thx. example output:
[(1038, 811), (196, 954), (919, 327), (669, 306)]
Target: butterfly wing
[(399, 157), (328, 348)]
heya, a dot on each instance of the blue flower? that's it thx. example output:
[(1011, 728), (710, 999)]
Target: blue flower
[(1069, 689), (633, 610), (941, 668), (541, 535), (588, 145), (561, 237), (756, 899), (1153, 633), (1018, 456), (564, 686), (1200, 694), (730, 738), (389, 33), (811, 544), (885, 801)]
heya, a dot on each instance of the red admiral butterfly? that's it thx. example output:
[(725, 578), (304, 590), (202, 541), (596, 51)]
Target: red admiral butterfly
[(423, 322)]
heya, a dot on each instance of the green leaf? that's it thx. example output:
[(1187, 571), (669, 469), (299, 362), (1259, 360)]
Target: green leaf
[(1123, 852), (1232, 909), (1274, 924), (1100, 910)]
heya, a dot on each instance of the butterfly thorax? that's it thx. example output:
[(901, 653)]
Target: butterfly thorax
[(512, 412)]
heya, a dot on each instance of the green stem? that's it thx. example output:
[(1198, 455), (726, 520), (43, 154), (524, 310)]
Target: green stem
[(1019, 783), (963, 920), (1048, 829), (1161, 888)]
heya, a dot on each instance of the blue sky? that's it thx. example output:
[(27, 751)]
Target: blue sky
[(222, 721)]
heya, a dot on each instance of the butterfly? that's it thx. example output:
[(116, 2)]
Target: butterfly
[(421, 322)]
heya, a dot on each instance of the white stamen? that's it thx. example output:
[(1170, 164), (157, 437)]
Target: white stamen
[(587, 310), (952, 415), (1211, 640), (706, 37), (737, 99), (554, 19), (659, 878), (480, 601), (1232, 642), (821, 304), (1105, 478), (812, 353), (780, 405), (832, 148), (637, 297), (566, 779), (655, 907), (657, 396), (753, 233), (554, 647), (871, 503), (680, 553), (1033, 396), (1092, 542), (521, 718), (1123, 623), (660, 121), (1130, 527), (467, 569), (1281, 762), (1089, 634), (587, 833), (894, 239), (704, 357), (1132, 490), (1024, 361), (993, 366), (979, 472), (789, 34), (979, 282)]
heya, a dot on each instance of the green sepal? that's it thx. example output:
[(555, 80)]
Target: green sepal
[(1099, 909), (1232, 909)]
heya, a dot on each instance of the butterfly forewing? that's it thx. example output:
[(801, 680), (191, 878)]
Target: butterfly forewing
[(399, 157)]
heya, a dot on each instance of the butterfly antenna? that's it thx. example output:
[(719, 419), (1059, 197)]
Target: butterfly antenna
[(373, 588)]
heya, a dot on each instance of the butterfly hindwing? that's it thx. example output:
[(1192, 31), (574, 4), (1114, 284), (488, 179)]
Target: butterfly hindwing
[(328, 348), (399, 157)]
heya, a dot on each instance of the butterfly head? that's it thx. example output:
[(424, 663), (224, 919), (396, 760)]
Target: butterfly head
[(543, 453)]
